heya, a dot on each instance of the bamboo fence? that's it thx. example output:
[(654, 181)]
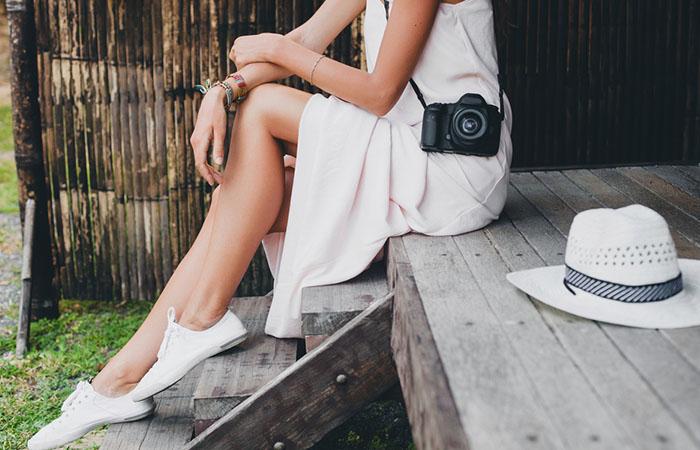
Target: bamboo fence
[(591, 82)]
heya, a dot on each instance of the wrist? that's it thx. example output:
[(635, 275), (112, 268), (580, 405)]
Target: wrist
[(217, 92), (279, 48), (237, 90)]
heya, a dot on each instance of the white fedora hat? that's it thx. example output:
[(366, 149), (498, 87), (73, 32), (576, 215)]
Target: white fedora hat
[(620, 267)]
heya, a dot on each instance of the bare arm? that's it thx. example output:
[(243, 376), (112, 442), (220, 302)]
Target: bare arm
[(405, 36), (315, 34)]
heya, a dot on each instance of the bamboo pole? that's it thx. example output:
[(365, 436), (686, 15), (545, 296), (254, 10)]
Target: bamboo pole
[(28, 152), (22, 342)]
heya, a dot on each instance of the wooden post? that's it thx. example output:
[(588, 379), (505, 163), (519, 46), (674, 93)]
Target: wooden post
[(22, 343), (28, 157)]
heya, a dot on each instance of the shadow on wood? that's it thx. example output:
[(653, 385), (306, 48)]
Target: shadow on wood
[(317, 393)]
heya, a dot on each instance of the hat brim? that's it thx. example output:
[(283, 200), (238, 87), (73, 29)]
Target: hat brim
[(682, 310)]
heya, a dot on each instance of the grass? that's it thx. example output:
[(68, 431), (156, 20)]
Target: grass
[(63, 351), (8, 173)]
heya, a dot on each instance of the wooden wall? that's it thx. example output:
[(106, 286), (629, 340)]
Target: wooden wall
[(591, 82), (601, 82), (118, 107)]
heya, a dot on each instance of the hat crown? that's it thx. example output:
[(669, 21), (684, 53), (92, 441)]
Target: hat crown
[(630, 245)]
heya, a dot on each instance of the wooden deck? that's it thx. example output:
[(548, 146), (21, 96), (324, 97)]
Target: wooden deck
[(481, 365)]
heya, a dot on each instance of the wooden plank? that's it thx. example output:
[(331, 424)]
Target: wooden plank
[(632, 405), (691, 171), (680, 199), (677, 178), (170, 426), (677, 382), (685, 224), (327, 308), (685, 339), (460, 375), (431, 407), (610, 197), (234, 375), (317, 393)]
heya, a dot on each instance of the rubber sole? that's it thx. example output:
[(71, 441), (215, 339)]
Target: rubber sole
[(88, 428)]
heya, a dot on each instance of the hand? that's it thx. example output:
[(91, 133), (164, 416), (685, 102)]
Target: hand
[(255, 48), (210, 125)]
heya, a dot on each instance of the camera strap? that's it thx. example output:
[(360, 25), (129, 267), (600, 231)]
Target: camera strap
[(419, 94)]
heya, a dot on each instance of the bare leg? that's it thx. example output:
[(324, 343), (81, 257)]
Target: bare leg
[(251, 197), (127, 367)]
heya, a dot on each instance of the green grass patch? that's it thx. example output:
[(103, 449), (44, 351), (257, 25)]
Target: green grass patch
[(8, 173), (63, 351)]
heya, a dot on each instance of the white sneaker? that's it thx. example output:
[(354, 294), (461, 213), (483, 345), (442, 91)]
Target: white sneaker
[(84, 410), (182, 349)]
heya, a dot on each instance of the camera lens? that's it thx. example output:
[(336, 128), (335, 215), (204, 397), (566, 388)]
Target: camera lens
[(468, 124)]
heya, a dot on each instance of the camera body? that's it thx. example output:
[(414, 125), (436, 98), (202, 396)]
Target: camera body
[(469, 127)]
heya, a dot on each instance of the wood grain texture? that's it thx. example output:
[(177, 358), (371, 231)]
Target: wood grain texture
[(690, 204), (117, 105), (170, 426), (685, 224), (610, 197), (305, 402), (234, 375), (677, 178), (324, 309), (483, 377), (612, 371), (432, 411)]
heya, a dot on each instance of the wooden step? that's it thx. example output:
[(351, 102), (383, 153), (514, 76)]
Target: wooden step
[(325, 309), (169, 427), (212, 388), (232, 376)]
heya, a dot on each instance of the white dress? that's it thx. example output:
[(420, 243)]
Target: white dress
[(361, 178)]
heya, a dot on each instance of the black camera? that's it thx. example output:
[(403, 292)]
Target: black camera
[(469, 127)]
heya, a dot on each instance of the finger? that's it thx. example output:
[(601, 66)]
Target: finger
[(218, 152), (199, 147), (205, 172), (218, 176)]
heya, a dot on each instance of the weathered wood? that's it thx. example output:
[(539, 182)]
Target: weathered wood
[(431, 408), (324, 309), (169, 427), (24, 316), (609, 197), (310, 398), (313, 341), (608, 370), (691, 171), (234, 375), (680, 199), (26, 129), (677, 178), (685, 224), (458, 369)]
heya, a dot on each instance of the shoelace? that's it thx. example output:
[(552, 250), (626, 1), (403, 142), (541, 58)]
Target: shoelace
[(172, 333), (75, 398)]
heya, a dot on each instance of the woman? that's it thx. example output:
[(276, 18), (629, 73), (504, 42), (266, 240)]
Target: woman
[(360, 176)]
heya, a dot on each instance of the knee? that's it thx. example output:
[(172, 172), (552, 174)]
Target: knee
[(260, 100)]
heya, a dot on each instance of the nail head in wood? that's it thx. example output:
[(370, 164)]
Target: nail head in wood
[(278, 446), (341, 378)]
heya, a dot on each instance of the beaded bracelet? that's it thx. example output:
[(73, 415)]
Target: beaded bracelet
[(242, 86), (229, 94)]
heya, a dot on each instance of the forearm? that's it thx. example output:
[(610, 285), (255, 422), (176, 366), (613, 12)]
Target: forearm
[(259, 73), (351, 84)]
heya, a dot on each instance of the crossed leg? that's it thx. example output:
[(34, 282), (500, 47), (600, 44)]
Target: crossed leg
[(252, 201)]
